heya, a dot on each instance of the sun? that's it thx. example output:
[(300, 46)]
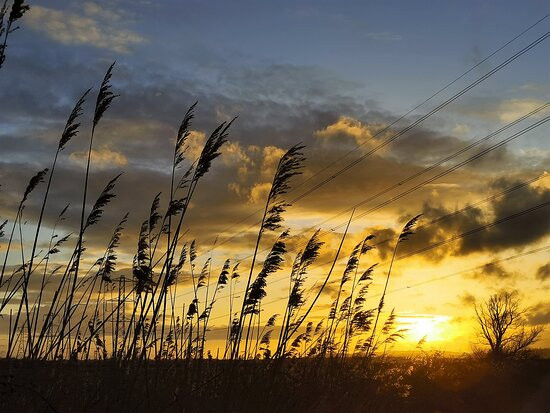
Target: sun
[(429, 327)]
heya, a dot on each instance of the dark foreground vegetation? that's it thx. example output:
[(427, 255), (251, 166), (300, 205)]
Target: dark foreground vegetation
[(428, 383)]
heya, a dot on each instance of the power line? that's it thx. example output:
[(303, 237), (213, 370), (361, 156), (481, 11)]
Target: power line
[(475, 230), (455, 167), (480, 267), (439, 243), (438, 163), (506, 140), (454, 274), (426, 116), (506, 191), (386, 128), (439, 175), (409, 127)]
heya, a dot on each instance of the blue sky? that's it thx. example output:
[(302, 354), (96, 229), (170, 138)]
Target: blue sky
[(392, 54), (395, 50)]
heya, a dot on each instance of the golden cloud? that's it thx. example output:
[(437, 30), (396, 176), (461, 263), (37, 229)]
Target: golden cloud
[(235, 155), (347, 127), (259, 192), (270, 159), (195, 142), (512, 109), (102, 158)]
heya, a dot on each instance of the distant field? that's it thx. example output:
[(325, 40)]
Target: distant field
[(420, 384)]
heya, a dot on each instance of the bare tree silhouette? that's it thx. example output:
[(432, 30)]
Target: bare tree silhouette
[(503, 325)]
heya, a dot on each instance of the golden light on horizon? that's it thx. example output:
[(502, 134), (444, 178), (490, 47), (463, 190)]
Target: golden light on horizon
[(427, 327)]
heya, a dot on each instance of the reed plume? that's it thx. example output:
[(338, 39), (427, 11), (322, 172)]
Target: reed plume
[(355, 302), (303, 261), (18, 9), (104, 198), (272, 263), (223, 278), (299, 322), (103, 101), (109, 263), (289, 166), (31, 186), (350, 268), (406, 232)]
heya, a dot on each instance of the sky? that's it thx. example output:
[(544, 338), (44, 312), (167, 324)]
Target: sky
[(332, 75)]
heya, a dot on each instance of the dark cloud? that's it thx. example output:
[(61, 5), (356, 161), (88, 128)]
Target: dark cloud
[(285, 83), (331, 290), (426, 146), (523, 230), (467, 299), (543, 272), (540, 314), (384, 239), (514, 233), (493, 270)]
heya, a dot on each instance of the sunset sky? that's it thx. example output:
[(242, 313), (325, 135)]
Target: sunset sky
[(332, 75)]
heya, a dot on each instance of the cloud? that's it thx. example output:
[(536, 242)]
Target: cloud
[(512, 109), (270, 159), (517, 232), (423, 146), (461, 129), (384, 36), (195, 142), (259, 192), (286, 84), (237, 156), (522, 230), (347, 127), (493, 270), (543, 272), (506, 110), (137, 134), (97, 28), (467, 299), (102, 158), (384, 239), (92, 9), (540, 314), (426, 145)]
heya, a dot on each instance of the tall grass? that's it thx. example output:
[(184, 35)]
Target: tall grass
[(104, 99), (406, 232), (90, 313), (16, 11), (289, 166)]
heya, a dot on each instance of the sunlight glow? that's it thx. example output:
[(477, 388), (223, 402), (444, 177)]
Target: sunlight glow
[(430, 326)]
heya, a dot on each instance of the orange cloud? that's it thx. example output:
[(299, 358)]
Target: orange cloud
[(102, 158)]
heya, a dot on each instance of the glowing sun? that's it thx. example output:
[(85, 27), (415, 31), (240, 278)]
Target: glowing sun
[(423, 326)]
